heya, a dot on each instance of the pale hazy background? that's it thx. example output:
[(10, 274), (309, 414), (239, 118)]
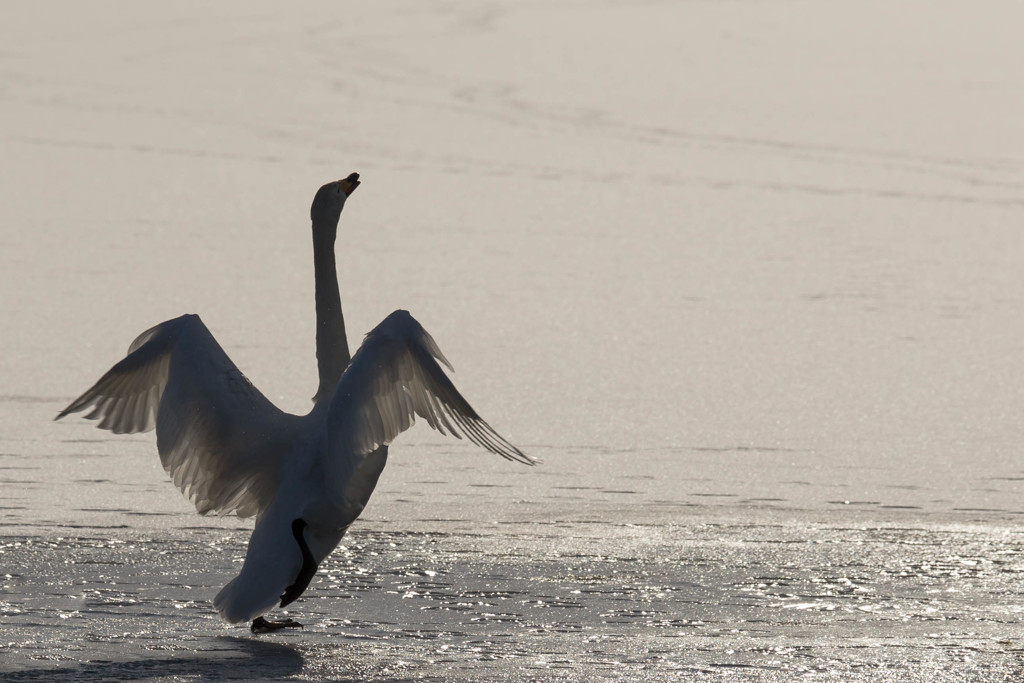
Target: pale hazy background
[(764, 242)]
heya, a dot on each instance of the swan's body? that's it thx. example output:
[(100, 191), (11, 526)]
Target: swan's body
[(305, 478)]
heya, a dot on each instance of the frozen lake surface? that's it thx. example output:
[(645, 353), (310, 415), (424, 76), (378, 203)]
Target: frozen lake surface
[(690, 593), (750, 286)]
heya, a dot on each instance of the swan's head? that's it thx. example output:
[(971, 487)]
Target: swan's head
[(330, 199)]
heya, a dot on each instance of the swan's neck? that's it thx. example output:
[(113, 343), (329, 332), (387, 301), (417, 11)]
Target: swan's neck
[(332, 355)]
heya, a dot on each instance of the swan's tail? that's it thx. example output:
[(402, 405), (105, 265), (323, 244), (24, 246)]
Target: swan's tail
[(272, 561), (237, 602)]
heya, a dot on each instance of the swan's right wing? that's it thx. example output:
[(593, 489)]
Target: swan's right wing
[(219, 438), (394, 377)]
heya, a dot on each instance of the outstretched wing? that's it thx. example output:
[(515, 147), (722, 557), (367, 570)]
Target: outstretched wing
[(394, 377), (219, 438)]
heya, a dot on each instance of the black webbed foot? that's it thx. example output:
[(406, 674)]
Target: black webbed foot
[(261, 625)]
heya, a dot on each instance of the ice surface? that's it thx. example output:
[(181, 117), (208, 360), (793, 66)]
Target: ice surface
[(746, 275)]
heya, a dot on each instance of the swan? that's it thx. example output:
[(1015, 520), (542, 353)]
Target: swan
[(305, 478)]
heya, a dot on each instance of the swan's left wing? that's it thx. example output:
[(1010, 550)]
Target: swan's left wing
[(394, 377), (219, 438)]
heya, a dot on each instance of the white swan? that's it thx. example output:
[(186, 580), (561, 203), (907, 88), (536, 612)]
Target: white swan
[(305, 478)]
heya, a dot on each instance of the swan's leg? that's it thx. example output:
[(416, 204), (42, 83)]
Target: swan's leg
[(309, 566), (261, 625)]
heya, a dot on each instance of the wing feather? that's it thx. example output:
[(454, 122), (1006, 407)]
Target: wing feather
[(219, 438), (394, 377)]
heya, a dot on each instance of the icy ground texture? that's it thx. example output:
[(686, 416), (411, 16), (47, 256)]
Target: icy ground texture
[(768, 599)]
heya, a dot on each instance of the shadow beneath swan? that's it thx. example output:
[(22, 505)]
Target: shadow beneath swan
[(230, 659)]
